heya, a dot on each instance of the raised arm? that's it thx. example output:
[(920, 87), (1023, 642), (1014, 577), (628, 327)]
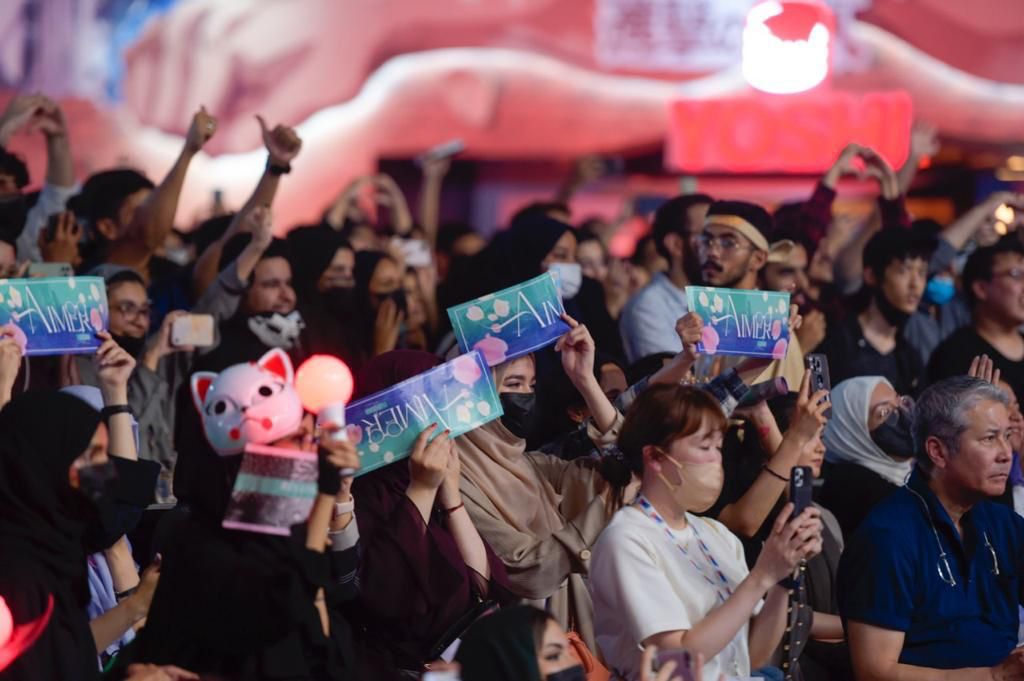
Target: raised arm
[(10, 362), (114, 366), (283, 145), (924, 142), (434, 171), (959, 232), (578, 351)]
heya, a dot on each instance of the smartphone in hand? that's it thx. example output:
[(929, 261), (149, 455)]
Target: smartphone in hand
[(192, 331), (766, 390), (817, 364), (683, 659), (801, 479)]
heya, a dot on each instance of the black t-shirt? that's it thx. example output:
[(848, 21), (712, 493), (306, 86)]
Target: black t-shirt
[(850, 355), (953, 358)]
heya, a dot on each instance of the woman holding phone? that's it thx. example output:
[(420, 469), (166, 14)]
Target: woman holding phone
[(662, 575)]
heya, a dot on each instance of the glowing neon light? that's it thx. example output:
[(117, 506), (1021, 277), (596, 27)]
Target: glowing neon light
[(787, 45)]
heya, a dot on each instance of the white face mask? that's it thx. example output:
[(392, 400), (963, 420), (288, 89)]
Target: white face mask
[(569, 276), (277, 330)]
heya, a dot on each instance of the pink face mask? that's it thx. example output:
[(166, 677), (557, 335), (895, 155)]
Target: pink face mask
[(254, 403)]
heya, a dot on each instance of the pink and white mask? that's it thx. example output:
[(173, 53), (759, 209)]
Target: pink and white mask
[(254, 403)]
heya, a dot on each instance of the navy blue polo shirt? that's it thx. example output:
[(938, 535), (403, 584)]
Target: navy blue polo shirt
[(889, 577)]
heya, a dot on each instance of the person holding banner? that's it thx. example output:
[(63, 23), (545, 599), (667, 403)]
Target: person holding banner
[(542, 514), (425, 575)]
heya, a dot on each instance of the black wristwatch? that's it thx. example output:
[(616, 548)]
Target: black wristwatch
[(278, 170), (115, 409)]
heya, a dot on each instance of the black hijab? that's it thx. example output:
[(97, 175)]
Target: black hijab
[(502, 646), (43, 522)]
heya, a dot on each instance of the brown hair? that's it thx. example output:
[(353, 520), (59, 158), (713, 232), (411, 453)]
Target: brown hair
[(664, 413)]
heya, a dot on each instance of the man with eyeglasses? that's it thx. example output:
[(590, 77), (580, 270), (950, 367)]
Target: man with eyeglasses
[(993, 282), (929, 585)]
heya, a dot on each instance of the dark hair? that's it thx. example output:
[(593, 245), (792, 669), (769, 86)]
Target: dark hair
[(896, 244), (104, 193), (646, 366), (125, 276), (981, 263), (673, 218), (11, 164), (663, 413), (209, 230), (233, 248), (545, 208), (449, 233), (751, 212)]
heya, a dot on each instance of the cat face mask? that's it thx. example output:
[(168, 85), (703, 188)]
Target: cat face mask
[(254, 403)]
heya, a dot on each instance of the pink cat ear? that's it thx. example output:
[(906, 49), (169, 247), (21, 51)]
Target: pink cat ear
[(278, 363), (201, 383)]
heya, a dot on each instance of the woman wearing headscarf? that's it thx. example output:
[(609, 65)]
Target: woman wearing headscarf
[(869, 448), (53, 458), (237, 604), (425, 574), (539, 513), (323, 265)]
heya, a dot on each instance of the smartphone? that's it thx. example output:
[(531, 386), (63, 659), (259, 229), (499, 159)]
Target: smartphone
[(801, 480), (443, 150), (767, 390), (817, 363), (683, 660), (50, 269), (193, 330), (444, 675), (416, 252)]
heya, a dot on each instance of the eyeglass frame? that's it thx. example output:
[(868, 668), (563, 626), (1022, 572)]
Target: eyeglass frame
[(146, 309), (705, 242)]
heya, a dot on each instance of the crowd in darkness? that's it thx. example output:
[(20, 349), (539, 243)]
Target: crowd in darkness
[(625, 518)]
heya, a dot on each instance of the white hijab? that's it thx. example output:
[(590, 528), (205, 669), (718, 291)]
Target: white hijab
[(847, 438)]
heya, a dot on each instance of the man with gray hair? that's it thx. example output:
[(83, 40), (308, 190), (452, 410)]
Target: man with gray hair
[(930, 583)]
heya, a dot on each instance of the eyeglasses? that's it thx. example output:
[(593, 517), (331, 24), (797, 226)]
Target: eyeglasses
[(726, 244), (1017, 274), (945, 571), (131, 311)]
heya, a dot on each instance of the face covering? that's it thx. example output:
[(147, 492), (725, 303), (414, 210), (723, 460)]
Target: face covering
[(570, 278), (700, 484), (13, 211), (179, 256), (571, 674), (521, 415), (94, 481), (133, 346), (940, 290), (276, 330), (895, 436), (895, 316)]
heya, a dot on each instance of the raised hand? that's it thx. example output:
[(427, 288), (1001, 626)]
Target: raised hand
[(335, 456), (10, 361), (387, 327), (878, 168), (260, 223), (64, 246), (984, 368), (113, 368), (429, 463), (924, 139), (790, 542), (19, 113), (282, 143), (689, 328), (49, 119), (202, 129), (845, 165), (578, 351), (809, 415)]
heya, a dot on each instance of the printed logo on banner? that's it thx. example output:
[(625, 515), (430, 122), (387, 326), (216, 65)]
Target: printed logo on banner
[(274, 490), (458, 396), (57, 316), (512, 322), (749, 323)]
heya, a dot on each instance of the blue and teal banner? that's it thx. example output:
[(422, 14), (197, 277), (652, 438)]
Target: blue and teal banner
[(458, 396), (512, 322), (57, 316), (749, 323)]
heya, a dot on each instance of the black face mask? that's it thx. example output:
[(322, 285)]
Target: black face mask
[(340, 300), (521, 416), (13, 211), (895, 316), (133, 346), (571, 674), (895, 436), (105, 523)]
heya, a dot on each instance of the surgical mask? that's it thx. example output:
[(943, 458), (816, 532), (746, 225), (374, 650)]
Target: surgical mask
[(700, 484), (940, 290), (179, 256), (569, 276), (130, 344), (571, 674), (895, 436), (521, 416), (276, 330)]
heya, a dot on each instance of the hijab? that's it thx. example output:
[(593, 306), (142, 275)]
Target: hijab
[(847, 438), (501, 647), (43, 523), (311, 250), (495, 461)]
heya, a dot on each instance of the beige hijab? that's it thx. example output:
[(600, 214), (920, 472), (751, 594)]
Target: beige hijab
[(495, 461)]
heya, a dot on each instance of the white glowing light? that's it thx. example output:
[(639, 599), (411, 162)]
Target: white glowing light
[(778, 66)]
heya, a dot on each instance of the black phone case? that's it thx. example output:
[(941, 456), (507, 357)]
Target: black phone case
[(801, 480)]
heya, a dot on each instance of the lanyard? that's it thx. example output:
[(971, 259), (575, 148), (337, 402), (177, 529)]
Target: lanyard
[(717, 579)]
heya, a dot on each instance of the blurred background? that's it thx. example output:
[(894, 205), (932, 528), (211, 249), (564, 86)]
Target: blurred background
[(728, 97)]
